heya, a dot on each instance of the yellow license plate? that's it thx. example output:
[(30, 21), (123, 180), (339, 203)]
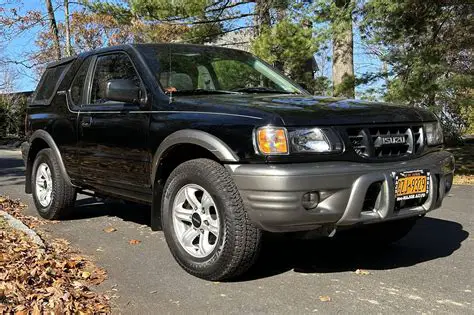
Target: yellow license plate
[(411, 185)]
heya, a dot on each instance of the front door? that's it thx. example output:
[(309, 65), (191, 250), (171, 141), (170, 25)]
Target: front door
[(113, 135)]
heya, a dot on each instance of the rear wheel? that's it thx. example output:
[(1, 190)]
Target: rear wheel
[(205, 224), (52, 195)]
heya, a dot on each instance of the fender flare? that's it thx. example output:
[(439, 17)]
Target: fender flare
[(191, 136), (46, 137)]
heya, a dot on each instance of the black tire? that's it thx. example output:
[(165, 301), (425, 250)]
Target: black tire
[(239, 241), (63, 195), (381, 234)]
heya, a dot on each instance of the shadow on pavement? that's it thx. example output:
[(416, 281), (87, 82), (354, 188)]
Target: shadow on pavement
[(12, 171), (430, 239), (127, 211)]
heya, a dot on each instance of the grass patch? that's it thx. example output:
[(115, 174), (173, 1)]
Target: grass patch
[(464, 155)]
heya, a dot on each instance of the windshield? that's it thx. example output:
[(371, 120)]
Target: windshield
[(187, 70)]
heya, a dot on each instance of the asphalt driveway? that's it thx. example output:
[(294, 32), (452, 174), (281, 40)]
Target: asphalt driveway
[(429, 271)]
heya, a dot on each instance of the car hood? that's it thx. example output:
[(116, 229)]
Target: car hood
[(300, 110)]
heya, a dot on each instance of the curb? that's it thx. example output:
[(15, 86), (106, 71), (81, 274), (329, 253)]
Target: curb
[(18, 225), (8, 148)]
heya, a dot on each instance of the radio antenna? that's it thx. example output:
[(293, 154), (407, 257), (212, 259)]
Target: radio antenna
[(169, 74)]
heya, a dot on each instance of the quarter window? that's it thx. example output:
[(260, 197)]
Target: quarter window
[(111, 67), (48, 83)]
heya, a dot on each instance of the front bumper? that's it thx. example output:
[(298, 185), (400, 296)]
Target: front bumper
[(272, 193)]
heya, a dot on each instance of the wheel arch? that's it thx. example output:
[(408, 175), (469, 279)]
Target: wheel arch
[(213, 145), (39, 140), (181, 146)]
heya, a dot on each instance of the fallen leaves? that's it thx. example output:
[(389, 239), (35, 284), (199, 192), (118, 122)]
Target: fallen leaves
[(110, 229), (362, 272), (463, 179), (325, 298), (56, 280), (15, 208), (134, 242)]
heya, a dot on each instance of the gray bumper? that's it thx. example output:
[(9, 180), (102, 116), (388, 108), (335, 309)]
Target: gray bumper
[(272, 194)]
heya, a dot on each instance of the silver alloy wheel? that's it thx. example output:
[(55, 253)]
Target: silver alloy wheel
[(196, 220), (44, 184)]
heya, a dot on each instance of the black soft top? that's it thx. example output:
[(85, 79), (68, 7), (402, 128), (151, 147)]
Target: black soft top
[(60, 62)]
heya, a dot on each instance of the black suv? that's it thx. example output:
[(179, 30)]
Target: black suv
[(223, 147)]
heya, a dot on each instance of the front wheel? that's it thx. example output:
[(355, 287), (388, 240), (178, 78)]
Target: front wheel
[(205, 224)]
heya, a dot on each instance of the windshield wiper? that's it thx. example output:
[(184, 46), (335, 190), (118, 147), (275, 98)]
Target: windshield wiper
[(202, 92), (261, 89)]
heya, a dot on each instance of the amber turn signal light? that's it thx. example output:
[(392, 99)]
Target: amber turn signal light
[(272, 140)]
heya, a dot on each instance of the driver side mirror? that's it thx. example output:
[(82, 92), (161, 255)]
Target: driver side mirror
[(122, 90)]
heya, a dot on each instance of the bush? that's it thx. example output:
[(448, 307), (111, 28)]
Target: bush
[(12, 115)]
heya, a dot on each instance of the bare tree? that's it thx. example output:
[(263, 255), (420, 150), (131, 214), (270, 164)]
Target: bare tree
[(54, 28), (262, 17), (67, 28)]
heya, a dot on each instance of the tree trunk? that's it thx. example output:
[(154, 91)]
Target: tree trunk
[(281, 8), (54, 28), (67, 27), (342, 54), (262, 16)]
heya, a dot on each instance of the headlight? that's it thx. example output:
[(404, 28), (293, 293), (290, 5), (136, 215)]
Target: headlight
[(434, 133), (315, 140), (277, 141), (272, 140)]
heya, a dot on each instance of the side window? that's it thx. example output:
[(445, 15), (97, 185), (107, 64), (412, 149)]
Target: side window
[(48, 83), (205, 79), (111, 67), (77, 86)]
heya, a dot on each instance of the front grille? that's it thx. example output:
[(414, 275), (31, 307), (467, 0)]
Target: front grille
[(386, 141)]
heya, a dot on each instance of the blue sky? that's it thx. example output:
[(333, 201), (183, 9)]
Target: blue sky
[(18, 48)]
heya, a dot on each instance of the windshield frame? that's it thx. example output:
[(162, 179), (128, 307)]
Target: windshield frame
[(151, 53)]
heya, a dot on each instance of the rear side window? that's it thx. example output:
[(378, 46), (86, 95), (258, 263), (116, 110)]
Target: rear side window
[(77, 87), (48, 83)]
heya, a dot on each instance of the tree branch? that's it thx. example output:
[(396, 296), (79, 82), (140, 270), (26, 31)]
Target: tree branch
[(216, 34), (226, 6), (200, 22)]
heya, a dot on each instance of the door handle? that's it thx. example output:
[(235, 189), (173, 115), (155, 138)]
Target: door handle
[(86, 121)]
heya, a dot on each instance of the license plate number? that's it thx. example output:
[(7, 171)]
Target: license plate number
[(412, 184)]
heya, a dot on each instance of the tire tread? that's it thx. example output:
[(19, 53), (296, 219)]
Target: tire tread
[(245, 237), (63, 195)]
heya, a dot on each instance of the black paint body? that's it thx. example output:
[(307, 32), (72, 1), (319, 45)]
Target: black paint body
[(111, 148)]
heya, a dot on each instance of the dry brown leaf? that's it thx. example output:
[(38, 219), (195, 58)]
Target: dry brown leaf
[(36, 310), (15, 208), (325, 298), (134, 242), (55, 280), (110, 229), (362, 272)]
